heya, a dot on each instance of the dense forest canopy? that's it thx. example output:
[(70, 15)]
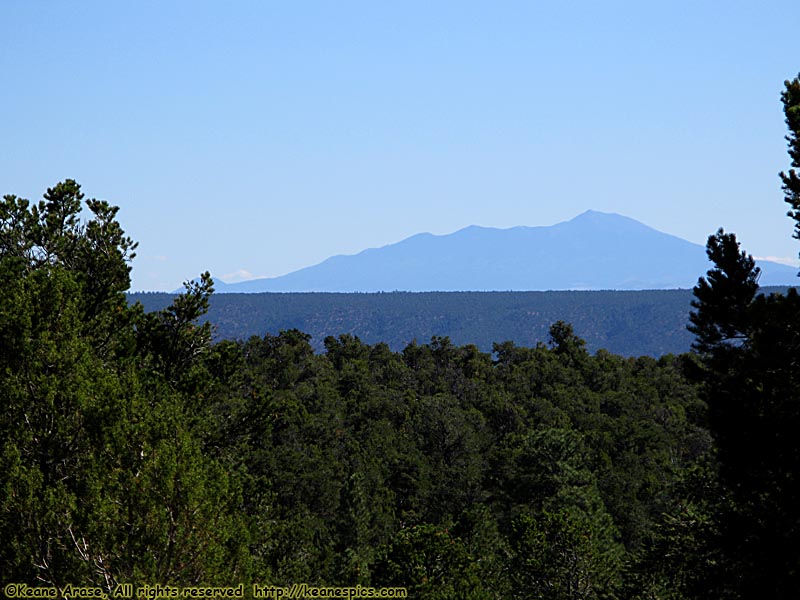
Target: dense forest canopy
[(134, 449)]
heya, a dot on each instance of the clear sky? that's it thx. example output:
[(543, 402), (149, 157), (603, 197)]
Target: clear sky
[(256, 138)]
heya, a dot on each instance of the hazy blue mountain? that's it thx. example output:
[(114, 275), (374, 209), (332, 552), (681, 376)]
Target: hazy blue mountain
[(593, 251)]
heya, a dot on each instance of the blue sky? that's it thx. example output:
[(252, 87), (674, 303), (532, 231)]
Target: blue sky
[(256, 138)]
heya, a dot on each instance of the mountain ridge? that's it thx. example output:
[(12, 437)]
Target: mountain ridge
[(593, 251)]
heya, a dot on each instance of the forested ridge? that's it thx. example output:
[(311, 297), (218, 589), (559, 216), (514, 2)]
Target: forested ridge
[(630, 323), (134, 448)]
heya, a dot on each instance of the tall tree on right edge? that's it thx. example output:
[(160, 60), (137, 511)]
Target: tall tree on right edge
[(791, 180), (749, 345)]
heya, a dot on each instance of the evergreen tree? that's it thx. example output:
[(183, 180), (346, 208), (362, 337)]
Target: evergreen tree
[(750, 349), (102, 469), (791, 180), (724, 296), (430, 563)]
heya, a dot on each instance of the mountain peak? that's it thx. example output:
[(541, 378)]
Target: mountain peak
[(596, 216), (591, 213)]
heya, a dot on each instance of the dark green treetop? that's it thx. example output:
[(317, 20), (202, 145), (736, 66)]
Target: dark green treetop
[(722, 298)]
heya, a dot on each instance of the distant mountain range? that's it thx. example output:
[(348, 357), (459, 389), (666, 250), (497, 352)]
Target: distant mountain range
[(593, 251)]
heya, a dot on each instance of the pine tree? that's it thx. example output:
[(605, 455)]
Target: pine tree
[(791, 180), (103, 477), (750, 349)]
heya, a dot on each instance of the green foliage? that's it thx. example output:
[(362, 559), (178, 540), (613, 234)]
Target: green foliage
[(565, 342), (564, 541), (723, 297), (564, 555), (791, 180), (103, 475), (430, 563), (172, 340)]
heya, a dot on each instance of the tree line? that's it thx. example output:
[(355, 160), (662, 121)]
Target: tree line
[(630, 323)]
